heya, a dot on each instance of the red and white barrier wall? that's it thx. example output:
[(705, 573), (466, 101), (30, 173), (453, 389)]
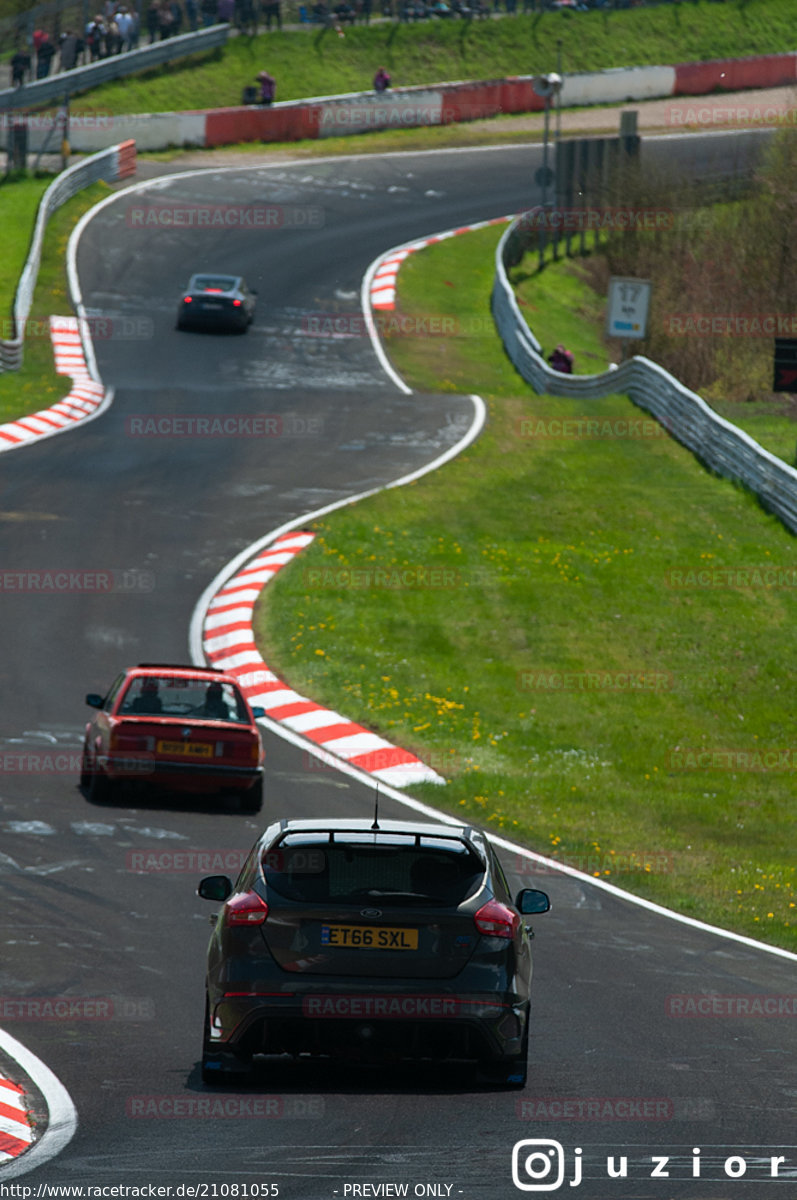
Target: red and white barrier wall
[(335, 116)]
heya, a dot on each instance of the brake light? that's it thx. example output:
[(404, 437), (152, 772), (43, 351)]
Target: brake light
[(236, 303), (121, 740), (247, 908), (187, 299), (496, 920), (215, 291)]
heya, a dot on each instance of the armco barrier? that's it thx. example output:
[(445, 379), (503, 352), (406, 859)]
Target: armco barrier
[(117, 66), (721, 446), (116, 163)]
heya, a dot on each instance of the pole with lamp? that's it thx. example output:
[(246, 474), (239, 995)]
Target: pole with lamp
[(548, 87)]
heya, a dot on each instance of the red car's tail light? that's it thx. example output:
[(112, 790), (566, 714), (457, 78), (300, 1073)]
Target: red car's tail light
[(236, 303), (496, 920), (120, 740), (247, 908), (186, 299)]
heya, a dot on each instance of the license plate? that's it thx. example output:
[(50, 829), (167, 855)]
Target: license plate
[(369, 937), (196, 749), (211, 304)]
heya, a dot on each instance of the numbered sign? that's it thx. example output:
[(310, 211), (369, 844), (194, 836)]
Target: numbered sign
[(627, 312)]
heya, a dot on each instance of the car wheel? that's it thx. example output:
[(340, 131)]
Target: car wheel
[(100, 787), (219, 1066), (85, 774), (252, 800), (507, 1072)]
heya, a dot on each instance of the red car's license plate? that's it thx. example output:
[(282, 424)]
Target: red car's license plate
[(197, 749)]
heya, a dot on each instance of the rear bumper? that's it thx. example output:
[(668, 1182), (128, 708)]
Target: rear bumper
[(200, 776), (399, 1025)]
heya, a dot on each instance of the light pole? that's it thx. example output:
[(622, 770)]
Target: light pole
[(547, 86)]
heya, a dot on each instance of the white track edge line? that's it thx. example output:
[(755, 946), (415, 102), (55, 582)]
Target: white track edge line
[(62, 1115), (195, 647)]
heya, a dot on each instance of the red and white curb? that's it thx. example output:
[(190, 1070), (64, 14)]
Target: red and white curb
[(16, 1134), (382, 292), (83, 400), (228, 642)]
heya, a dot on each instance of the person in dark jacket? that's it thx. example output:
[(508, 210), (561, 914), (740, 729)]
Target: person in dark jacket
[(561, 360), (44, 57), (21, 66)]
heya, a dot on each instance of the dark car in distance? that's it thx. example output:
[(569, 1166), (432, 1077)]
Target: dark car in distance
[(174, 728), (216, 302), (390, 941)]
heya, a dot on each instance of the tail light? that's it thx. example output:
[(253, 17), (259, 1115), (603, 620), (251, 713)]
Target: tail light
[(236, 303), (121, 740), (247, 908), (496, 920), (186, 299)]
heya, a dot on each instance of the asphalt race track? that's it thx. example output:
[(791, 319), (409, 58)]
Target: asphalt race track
[(83, 918)]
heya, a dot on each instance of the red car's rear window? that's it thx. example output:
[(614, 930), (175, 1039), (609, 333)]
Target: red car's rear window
[(172, 696)]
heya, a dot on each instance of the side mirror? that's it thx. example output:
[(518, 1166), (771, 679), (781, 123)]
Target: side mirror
[(529, 900), (214, 887), (258, 711), (94, 700)]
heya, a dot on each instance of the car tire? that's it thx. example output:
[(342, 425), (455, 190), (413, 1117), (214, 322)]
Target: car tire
[(220, 1067), (252, 799), (85, 774), (507, 1072), (100, 787)]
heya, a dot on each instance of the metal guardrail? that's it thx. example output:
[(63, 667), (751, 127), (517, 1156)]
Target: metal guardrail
[(80, 79), (108, 165), (723, 447)]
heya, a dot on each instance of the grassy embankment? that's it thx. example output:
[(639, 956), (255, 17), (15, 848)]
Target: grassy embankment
[(317, 62), (561, 553), (36, 385)]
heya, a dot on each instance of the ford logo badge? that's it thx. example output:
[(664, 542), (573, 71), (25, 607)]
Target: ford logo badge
[(370, 912)]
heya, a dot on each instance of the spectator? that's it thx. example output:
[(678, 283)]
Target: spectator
[(113, 38), (225, 10), (381, 80), (344, 12), (192, 12), (165, 21), (365, 10), (153, 19), (69, 50), (44, 57), (561, 360), (95, 35), (21, 66), (268, 88), (208, 10), (124, 23), (272, 11), (245, 17), (176, 10)]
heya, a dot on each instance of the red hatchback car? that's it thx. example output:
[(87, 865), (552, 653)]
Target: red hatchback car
[(175, 728)]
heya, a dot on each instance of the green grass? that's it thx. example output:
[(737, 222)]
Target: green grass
[(317, 62), (559, 553), (19, 201), (37, 385)]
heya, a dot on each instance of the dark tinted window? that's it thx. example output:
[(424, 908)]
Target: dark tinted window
[(364, 870), (213, 283)]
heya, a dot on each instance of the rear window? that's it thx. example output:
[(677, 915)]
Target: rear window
[(167, 696), (364, 871), (213, 283)]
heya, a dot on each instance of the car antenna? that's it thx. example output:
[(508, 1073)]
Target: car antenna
[(375, 825)]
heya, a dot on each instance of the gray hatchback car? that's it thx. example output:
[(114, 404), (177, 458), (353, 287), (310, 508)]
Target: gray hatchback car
[(388, 941), (216, 302)]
